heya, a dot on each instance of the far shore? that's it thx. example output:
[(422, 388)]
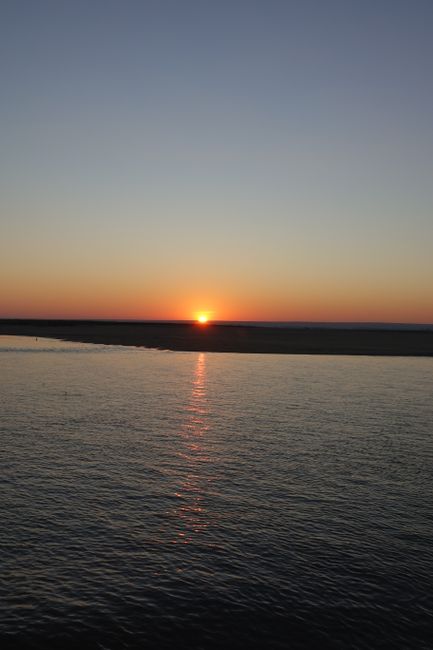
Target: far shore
[(231, 338)]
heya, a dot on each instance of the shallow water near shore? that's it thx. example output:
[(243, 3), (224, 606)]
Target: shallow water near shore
[(172, 499)]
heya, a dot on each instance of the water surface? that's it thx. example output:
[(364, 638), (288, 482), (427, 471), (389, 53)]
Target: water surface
[(164, 499)]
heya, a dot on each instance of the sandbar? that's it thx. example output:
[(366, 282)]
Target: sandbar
[(231, 338)]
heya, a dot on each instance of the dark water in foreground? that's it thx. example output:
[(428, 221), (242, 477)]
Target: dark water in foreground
[(170, 500)]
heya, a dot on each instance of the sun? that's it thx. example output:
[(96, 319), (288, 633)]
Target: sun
[(202, 319)]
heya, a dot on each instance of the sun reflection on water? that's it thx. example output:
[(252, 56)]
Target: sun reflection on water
[(191, 514)]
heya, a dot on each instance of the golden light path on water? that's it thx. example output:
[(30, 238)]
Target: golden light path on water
[(191, 513)]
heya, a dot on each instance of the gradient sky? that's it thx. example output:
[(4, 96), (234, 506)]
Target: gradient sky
[(260, 160)]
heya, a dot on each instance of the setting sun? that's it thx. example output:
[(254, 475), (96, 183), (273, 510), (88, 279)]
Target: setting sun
[(202, 319)]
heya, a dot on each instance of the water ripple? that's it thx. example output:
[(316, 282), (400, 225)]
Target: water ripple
[(153, 500)]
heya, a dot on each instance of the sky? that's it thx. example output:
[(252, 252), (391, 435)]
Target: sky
[(255, 160)]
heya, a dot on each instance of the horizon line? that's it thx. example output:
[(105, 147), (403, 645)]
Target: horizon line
[(252, 323)]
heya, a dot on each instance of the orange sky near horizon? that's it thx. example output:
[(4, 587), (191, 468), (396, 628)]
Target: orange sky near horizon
[(230, 303)]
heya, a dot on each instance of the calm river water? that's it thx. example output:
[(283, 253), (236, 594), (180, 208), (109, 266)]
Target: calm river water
[(188, 500)]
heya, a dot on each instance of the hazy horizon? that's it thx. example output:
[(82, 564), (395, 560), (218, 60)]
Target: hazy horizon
[(263, 323)]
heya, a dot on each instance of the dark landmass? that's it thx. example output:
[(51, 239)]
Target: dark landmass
[(230, 338)]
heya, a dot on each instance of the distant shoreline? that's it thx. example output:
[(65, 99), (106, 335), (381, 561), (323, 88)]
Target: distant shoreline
[(302, 339)]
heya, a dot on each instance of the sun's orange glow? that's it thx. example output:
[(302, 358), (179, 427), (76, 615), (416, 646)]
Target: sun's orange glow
[(79, 295), (202, 319)]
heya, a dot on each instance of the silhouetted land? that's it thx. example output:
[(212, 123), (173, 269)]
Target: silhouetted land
[(230, 338)]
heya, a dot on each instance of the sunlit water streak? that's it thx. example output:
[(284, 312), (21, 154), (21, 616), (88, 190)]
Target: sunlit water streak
[(161, 500)]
